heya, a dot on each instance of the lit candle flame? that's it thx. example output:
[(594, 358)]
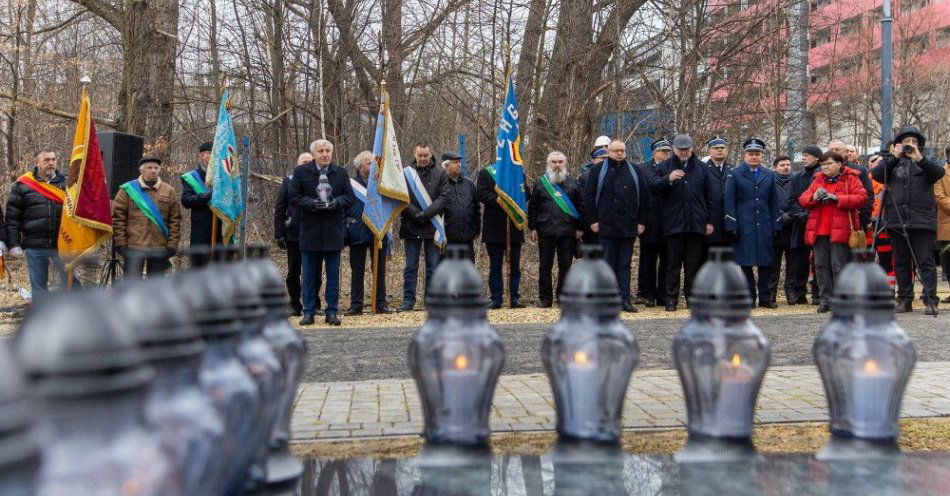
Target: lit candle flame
[(581, 358), (461, 362), (870, 366), (736, 360)]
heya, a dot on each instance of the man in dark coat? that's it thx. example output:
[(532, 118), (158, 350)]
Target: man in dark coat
[(195, 197), (322, 192), (597, 155), (498, 231), (686, 191), (719, 168), (287, 234), (752, 217), (651, 274), (417, 229), (34, 209), (360, 239), (782, 167), (617, 207), (798, 267), (554, 219), (910, 216), (463, 213)]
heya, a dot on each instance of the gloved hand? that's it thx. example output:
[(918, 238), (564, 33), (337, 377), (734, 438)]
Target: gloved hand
[(821, 193), (332, 205), (16, 251), (205, 196), (282, 244), (830, 197), (420, 217), (802, 216), (317, 206), (785, 219)]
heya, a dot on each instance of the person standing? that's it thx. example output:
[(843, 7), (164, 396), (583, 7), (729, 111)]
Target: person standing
[(686, 191), (597, 155), (833, 201), (554, 219), (617, 207), (782, 167), (851, 160), (910, 215), (498, 233), (34, 209), (651, 272), (719, 168), (752, 216), (428, 188), (942, 197), (799, 267), (146, 221), (195, 197), (322, 192), (463, 214), (287, 234), (360, 239)]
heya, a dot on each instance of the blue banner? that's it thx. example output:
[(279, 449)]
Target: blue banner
[(509, 169)]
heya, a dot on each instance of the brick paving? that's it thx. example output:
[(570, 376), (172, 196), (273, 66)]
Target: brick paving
[(378, 408)]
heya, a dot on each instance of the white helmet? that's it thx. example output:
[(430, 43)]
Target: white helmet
[(601, 141)]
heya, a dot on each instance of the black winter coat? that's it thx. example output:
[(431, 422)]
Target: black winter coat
[(437, 186), (286, 214), (864, 215), (494, 217), (546, 217), (717, 205), (32, 219), (321, 230), (582, 186), (783, 183), (624, 203), (463, 214), (908, 185), (685, 203), (357, 232), (654, 226), (798, 184), (201, 215)]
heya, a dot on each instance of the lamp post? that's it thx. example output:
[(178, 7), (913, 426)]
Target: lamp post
[(887, 89)]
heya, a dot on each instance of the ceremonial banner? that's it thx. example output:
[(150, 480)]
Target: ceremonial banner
[(86, 222), (508, 170), (386, 190), (224, 173)]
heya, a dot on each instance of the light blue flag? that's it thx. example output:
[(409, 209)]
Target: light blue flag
[(224, 173), (386, 190), (508, 170)]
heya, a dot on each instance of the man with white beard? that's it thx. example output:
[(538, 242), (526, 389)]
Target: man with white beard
[(554, 219)]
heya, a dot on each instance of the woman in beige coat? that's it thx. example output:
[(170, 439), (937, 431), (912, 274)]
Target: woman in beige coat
[(942, 195)]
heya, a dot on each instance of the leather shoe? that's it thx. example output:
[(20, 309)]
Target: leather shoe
[(517, 304), (544, 304), (768, 304), (307, 319), (824, 308), (671, 307), (353, 311), (801, 300), (903, 307), (406, 307), (628, 307), (296, 312), (791, 299), (381, 309), (931, 309), (649, 302), (332, 319), (639, 300), (495, 305)]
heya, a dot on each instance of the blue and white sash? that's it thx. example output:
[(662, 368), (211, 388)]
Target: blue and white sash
[(419, 191)]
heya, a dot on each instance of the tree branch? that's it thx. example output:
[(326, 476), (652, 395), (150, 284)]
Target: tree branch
[(417, 37), (42, 107), (107, 12)]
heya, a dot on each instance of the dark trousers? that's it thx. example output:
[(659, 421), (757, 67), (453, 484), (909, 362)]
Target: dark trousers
[(358, 254), (199, 259), (780, 252), (758, 287), (683, 251), (410, 275), (797, 270), (496, 264), (652, 271), (293, 276), (138, 260), (469, 244), (617, 254), (945, 260), (922, 243), (311, 262), (548, 248), (830, 259)]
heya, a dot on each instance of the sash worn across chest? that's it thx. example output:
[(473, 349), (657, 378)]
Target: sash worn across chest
[(419, 190), (193, 179), (557, 194), (145, 204), (45, 189)]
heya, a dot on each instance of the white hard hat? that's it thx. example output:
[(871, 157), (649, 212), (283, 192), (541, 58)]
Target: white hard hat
[(601, 141)]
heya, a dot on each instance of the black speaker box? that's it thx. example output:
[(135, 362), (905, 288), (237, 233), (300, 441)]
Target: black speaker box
[(120, 156)]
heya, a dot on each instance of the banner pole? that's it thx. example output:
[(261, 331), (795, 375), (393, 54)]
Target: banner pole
[(376, 244), (214, 234), (69, 278), (508, 258)]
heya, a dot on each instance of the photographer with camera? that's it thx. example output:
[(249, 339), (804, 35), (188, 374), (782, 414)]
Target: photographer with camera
[(909, 213)]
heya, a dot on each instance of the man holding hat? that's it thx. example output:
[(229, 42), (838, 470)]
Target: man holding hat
[(719, 169), (685, 191), (799, 266), (146, 221), (752, 216), (651, 274), (463, 215), (195, 197), (909, 212)]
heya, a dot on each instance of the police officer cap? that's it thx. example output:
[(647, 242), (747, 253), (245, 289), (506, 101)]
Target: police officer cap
[(599, 152), (753, 145), (146, 160), (717, 141), (450, 156), (660, 144), (683, 141), (205, 147)]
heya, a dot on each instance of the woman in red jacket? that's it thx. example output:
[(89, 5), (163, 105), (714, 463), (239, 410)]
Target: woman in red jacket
[(833, 201)]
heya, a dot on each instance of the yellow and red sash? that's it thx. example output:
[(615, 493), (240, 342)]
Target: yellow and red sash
[(46, 189)]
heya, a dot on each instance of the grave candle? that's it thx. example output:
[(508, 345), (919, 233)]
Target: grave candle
[(460, 388), (582, 386), (871, 397), (732, 407)]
